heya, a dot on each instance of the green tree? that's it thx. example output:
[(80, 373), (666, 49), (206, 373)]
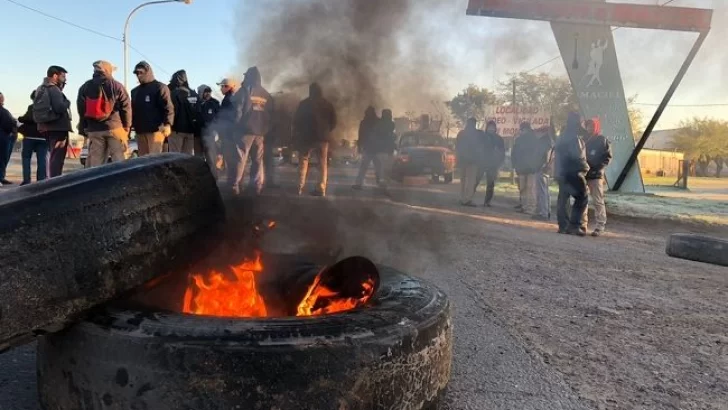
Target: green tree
[(703, 140), (542, 89), (556, 94), (471, 102)]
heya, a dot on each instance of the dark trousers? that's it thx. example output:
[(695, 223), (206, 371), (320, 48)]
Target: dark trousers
[(571, 217), (490, 175), (235, 152), (58, 146), (38, 147), (5, 151)]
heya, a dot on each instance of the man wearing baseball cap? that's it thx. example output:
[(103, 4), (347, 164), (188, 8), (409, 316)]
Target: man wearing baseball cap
[(104, 109)]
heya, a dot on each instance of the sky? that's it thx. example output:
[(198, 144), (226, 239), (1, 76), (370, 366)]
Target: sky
[(208, 38)]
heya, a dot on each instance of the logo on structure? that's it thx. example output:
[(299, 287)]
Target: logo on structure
[(596, 60)]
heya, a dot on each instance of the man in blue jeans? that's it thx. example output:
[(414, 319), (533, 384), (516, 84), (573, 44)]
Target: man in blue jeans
[(33, 142), (8, 135)]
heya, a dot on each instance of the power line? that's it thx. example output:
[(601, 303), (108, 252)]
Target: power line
[(683, 105), (98, 33), (89, 30)]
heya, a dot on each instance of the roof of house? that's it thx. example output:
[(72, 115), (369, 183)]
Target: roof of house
[(661, 139)]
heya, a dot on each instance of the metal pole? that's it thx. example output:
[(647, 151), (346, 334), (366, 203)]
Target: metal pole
[(675, 83), (125, 37), (513, 140)]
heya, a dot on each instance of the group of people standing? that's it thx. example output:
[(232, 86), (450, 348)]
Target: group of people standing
[(188, 121), (577, 160), (479, 154), (376, 144)]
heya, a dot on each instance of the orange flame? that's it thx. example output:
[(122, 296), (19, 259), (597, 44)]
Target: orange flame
[(320, 293), (214, 294), (219, 296)]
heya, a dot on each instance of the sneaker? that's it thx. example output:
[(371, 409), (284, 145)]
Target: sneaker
[(356, 187), (318, 193), (576, 232), (562, 231), (597, 233), (468, 204), (487, 205), (518, 207), (540, 218), (24, 183), (6, 182)]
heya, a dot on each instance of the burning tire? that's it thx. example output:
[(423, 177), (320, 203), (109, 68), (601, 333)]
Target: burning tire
[(72, 242), (394, 354), (698, 248)]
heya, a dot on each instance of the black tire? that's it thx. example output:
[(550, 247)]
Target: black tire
[(435, 179), (448, 178), (397, 351), (698, 248), (72, 242)]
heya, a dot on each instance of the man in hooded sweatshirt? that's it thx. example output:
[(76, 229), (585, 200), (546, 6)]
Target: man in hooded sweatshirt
[(104, 108), (470, 152), (33, 142), (153, 110), (253, 113), (571, 167), (494, 156), (52, 113), (207, 109), (598, 155), (367, 146), (527, 160), (184, 125), (313, 123)]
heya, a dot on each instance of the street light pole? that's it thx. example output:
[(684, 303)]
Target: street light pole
[(125, 38)]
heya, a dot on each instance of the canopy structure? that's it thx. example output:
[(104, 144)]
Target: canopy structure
[(583, 32)]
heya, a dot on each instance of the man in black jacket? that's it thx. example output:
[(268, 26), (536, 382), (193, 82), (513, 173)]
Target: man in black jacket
[(599, 155), (495, 154), (527, 161), (570, 170), (104, 108), (8, 131), (33, 142), (253, 111), (52, 113), (313, 123), (153, 110), (368, 147), (207, 109), (185, 117)]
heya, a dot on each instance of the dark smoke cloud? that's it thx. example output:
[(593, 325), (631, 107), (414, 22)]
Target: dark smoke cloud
[(362, 52)]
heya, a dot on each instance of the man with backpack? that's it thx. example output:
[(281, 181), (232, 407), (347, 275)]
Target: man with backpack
[(153, 111), (52, 113), (105, 110), (185, 118)]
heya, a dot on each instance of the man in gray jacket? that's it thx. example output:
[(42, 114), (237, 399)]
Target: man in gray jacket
[(51, 111)]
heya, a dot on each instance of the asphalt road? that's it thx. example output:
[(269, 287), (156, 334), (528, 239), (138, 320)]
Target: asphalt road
[(542, 321)]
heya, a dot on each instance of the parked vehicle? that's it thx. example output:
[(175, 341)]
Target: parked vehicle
[(424, 153)]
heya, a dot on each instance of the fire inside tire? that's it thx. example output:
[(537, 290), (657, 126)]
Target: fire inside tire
[(394, 354), (72, 242)]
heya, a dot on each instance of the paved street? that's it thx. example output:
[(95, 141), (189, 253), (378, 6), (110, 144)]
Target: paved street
[(542, 321)]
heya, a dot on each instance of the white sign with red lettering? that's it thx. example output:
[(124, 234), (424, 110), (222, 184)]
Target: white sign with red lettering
[(508, 118)]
